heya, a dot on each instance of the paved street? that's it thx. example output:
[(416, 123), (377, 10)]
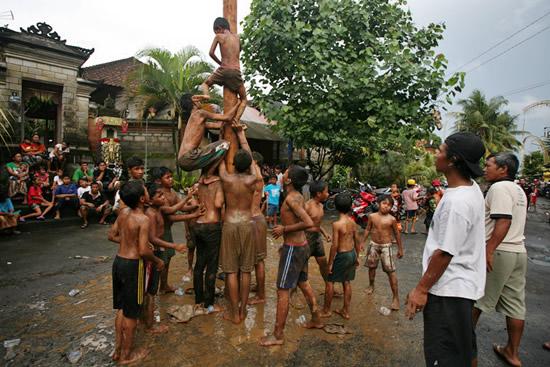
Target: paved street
[(36, 307)]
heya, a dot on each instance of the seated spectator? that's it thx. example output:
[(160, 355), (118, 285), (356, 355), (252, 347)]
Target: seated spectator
[(58, 179), (8, 216), (95, 202), (44, 181), (36, 201), (65, 196), (33, 151), (105, 177), (19, 174), (83, 172), (83, 186), (57, 159)]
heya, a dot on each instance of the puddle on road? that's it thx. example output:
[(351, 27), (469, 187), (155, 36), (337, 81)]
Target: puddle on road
[(49, 335)]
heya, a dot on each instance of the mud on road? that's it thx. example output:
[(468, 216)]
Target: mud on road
[(36, 308)]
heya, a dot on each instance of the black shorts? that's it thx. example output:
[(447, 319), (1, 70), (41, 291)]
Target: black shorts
[(292, 266), (449, 336), (154, 275), (128, 286), (411, 214), (315, 242)]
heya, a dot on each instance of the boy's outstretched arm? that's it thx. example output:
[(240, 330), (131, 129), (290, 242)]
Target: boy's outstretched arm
[(212, 52), (333, 247), (397, 235), (186, 217), (227, 115), (143, 245)]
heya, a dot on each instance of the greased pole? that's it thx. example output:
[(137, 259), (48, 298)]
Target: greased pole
[(230, 98)]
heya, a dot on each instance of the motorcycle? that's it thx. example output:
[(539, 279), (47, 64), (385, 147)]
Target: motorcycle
[(364, 203)]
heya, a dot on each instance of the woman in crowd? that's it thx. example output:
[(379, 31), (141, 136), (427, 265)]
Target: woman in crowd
[(19, 174)]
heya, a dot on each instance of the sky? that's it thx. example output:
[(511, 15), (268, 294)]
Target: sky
[(119, 29)]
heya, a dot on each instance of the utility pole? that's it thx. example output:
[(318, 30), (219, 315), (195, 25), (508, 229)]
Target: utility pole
[(229, 97)]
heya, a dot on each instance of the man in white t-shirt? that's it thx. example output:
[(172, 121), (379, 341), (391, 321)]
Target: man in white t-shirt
[(454, 257), (505, 215)]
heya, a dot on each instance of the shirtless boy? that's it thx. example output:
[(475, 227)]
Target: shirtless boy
[(343, 256), (131, 232), (383, 227), (191, 156), (166, 181), (260, 225), (238, 251), (206, 235), (294, 255), (314, 208), (229, 72), (156, 213)]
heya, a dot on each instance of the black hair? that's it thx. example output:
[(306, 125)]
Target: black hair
[(508, 160), (134, 162), (342, 202), (258, 158), (272, 177), (387, 198), (242, 160), (432, 191), (186, 103), (101, 162), (69, 177), (152, 188), (131, 192), (317, 187), (163, 171), (94, 183), (154, 173), (221, 23), (82, 162), (298, 176)]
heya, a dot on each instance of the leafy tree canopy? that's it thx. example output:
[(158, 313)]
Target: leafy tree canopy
[(533, 165), (345, 75)]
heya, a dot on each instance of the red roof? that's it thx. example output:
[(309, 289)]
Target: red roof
[(112, 73)]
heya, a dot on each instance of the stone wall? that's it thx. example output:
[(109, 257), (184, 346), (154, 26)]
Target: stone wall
[(160, 148)]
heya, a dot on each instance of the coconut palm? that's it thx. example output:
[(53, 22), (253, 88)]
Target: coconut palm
[(496, 128), (6, 130), (166, 76)]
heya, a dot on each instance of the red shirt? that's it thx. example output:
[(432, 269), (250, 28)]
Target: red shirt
[(34, 191)]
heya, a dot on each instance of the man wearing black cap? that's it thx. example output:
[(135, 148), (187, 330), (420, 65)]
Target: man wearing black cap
[(454, 257)]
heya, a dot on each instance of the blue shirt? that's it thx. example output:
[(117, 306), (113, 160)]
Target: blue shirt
[(66, 189), (273, 194), (6, 206)]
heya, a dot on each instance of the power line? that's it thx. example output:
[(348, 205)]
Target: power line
[(502, 41), (526, 88), (508, 49)]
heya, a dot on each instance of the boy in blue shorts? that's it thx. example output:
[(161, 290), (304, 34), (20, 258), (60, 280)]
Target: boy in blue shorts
[(273, 192)]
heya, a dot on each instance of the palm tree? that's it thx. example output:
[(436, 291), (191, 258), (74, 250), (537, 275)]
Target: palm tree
[(6, 130), (167, 76), (496, 128)]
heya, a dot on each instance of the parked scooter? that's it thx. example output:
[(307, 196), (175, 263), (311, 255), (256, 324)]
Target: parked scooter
[(364, 203)]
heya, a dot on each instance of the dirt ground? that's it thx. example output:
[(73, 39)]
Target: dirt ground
[(36, 308)]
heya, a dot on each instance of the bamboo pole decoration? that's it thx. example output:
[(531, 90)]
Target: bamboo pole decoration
[(230, 98)]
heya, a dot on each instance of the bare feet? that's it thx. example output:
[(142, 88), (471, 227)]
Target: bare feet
[(395, 305), (256, 300), (270, 341), (370, 290), (325, 314), (158, 329), (134, 357), (168, 289), (342, 313), (314, 325), (502, 353), (227, 316)]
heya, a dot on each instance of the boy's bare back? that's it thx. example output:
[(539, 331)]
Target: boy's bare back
[(345, 234), (194, 131), (230, 48), (381, 227), (129, 229), (156, 221)]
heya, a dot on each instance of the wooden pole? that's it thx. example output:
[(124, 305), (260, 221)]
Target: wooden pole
[(230, 98)]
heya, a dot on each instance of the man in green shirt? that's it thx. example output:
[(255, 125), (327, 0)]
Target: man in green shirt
[(83, 172)]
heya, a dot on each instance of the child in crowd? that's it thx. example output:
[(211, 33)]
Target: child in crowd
[(58, 179), (83, 186), (36, 201), (431, 205), (8, 216), (95, 202), (343, 258), (273, 192), (65, 195), (131, 232), (383, 228), (314, 207), (533, 197)]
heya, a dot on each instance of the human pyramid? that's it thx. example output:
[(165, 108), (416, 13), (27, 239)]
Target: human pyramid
[(237, 241)]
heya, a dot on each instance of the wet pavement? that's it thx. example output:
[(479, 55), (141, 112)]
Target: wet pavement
[(47, 264)]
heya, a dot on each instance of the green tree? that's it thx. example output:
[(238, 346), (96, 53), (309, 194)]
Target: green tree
[(533, 165), (344, 76), (496, 128)]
